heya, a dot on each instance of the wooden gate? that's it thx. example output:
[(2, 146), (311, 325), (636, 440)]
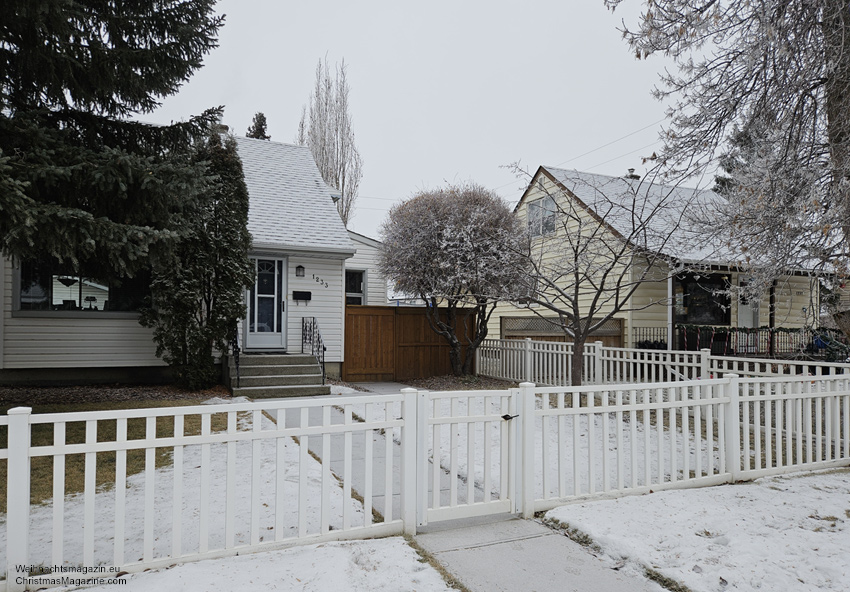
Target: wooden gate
[(394, 343)]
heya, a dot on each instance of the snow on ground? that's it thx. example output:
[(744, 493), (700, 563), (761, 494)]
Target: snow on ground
[(789, 533), (41, 534), (653, 449), (383, 565)]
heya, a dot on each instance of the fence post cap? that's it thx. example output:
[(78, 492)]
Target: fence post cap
[(409, 390), (19, 411), (527, 385), (731, 375), (705, 349)]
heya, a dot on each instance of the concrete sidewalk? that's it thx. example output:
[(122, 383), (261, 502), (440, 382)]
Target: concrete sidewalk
[(506, 553), (491, 553)]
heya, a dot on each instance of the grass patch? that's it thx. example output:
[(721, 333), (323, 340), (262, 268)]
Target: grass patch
[(573, 534), (426, 557), (41, 479), (664, 581)]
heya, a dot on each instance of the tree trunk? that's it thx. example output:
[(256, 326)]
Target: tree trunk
[(577, 363), (836, 34)]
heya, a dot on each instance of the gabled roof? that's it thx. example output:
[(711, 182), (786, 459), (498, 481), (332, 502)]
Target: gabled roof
[(291, 207), (362, 238), (625, 204)]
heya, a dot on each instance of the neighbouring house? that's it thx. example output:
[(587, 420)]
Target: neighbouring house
[(364, 282), (57, 324), (681, 309)]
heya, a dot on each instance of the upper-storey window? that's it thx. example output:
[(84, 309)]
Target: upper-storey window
[(50, 285), (541, 216)]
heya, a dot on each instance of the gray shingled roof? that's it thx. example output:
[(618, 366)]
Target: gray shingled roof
[(290, 205), (671, 214)]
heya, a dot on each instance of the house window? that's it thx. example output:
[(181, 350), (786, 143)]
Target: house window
[(354, 287), (50, 285), (702, 300), (541, 216)]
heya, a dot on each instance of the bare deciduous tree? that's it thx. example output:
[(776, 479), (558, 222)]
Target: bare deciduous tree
[(459, 248), (773, 78), (594, 240), (326, 129)]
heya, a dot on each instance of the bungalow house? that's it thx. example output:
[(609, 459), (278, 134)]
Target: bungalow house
[(58, 326), (682, 298)]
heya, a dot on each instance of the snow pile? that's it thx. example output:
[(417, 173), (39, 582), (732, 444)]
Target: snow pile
[(384, 565), (788, 533)]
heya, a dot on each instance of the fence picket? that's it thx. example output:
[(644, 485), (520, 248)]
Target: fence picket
[(764, 425)]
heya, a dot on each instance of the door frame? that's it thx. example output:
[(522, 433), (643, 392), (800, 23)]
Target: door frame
[(273, 340)]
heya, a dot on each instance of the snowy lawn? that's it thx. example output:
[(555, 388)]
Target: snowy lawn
[(41, 531), (383, 565), (789, 533)]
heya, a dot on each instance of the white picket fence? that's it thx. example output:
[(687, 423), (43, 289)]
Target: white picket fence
[(545, 362), (273, 474)]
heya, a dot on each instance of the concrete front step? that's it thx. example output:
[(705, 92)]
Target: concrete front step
[(274, 370), (284, 380), (274, 359), (261, 392)]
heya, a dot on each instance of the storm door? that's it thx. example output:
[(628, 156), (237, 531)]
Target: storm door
[(266, 320)]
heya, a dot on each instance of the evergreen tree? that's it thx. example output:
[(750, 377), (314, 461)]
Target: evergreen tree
[(80, 181), (198, 291), (258, 127)]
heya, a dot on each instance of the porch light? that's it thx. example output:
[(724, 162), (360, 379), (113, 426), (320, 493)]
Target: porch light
[(299, 271)]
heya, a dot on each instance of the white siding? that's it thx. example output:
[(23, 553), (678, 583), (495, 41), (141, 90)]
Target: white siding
[(327, 303), (366, 259), (58, 341)]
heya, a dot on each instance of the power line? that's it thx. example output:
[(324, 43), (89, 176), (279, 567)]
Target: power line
[(626, 154), (646, 127)]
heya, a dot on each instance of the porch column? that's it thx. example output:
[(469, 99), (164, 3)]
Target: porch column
[(670, 305)]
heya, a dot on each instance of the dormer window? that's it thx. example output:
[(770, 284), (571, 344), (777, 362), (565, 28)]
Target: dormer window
[(541, 216)]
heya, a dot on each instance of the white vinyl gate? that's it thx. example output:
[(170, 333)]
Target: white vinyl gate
[(466, 454)]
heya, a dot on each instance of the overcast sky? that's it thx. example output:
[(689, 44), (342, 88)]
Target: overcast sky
[(441, 91)]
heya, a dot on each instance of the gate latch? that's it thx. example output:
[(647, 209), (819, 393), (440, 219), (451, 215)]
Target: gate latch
[(507, 417)]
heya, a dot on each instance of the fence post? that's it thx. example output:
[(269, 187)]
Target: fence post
[(598, 366), (17, 496), (421, 460), (733, 427), (528, 362), (704, 363), (408, 461), (526, 449)]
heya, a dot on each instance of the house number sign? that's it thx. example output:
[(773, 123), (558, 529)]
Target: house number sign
[(320, 281)]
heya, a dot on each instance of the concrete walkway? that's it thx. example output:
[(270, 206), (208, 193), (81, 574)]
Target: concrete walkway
[(506, 553), (492, 553)]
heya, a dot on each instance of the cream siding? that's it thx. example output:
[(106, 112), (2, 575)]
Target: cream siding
[(546, 248), (71, 340), (327, 303), (366, 259)]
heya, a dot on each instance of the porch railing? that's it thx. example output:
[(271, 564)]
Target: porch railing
[(311, 340)]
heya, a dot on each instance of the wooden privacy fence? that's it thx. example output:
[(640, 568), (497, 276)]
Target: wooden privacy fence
[(245, 477), (395, 343), (545, 362)]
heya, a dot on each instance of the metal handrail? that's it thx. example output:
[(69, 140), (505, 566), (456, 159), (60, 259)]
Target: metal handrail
[(311, 336)]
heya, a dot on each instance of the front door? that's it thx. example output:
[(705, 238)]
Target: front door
[(748, 315), (266, 322)]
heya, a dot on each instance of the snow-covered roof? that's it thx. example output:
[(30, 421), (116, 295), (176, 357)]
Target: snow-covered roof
[(670, 214), (290, 205)]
